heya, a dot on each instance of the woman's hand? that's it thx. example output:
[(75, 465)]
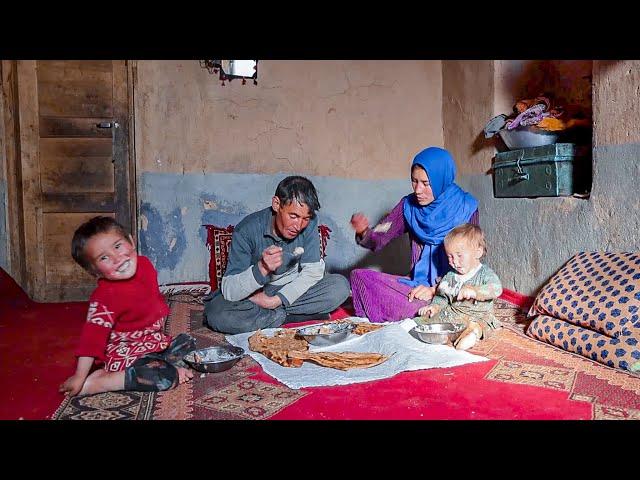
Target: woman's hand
[(422, 292), (360, 223)]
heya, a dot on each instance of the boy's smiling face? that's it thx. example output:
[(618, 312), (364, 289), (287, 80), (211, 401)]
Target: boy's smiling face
[(112, 255)]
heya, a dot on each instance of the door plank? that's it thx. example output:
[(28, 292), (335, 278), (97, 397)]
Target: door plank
[(76, 165), (75, 89), (78, 202), (73, 127)]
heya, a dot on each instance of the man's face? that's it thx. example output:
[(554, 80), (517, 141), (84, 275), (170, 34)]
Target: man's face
[(290, 219)]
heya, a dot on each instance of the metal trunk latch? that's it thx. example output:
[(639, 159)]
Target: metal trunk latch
[(520, 174)]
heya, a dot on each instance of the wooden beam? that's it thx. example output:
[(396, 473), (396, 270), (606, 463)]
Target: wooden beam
[(11, 145), (29, 142)]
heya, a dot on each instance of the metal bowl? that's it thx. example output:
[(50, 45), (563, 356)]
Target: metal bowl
[(326, 334), (438, 333), (525, 137), (214, 359)]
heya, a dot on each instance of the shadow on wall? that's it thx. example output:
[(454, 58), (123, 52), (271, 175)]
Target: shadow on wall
[(342, 252), (568, 82), (395, 259)]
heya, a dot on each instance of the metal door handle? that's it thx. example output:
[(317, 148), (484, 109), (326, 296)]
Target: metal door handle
[(107, 125)]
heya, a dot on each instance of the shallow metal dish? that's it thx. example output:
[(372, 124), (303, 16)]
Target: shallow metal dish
[(326, 334), (214, 359), (438, 333), (526, 137)]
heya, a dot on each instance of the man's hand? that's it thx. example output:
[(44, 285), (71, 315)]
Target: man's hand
[(429, 311), (263, 300), (271, 260), (422, 292), (466, 293), (359, 223)]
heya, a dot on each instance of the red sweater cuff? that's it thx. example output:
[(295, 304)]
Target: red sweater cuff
[(93, 341)]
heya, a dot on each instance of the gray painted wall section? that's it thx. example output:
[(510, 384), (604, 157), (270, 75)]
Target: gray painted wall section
[(174, 207), (530, 239), (4, 237)]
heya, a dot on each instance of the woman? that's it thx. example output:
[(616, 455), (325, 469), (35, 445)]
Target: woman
[(436, 206)]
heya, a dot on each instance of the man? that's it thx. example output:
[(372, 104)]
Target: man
[(275, 274)]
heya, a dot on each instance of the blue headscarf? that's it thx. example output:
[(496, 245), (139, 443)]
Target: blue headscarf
[(430, 223)]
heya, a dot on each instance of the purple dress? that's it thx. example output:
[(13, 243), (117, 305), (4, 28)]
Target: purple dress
[(379, 296)]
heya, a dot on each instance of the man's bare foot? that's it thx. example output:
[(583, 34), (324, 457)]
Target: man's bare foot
[(184, 374)]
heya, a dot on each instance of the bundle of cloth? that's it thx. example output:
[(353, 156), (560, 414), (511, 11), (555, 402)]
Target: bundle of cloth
[(542, 113)]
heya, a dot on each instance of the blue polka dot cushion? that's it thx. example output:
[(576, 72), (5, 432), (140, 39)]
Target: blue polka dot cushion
[(590, 307)]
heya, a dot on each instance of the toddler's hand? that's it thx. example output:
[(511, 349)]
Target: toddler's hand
[(428, 311), (466, 293)]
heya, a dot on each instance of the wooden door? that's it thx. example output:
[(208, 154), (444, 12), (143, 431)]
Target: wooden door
[(75, 164)]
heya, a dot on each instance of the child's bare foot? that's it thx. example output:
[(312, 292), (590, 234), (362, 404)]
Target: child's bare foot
[(469, 337), (102, 381), (184, 375)]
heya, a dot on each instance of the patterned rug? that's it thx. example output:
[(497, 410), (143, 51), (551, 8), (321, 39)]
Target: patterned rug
[(614, 394), (240, 393)]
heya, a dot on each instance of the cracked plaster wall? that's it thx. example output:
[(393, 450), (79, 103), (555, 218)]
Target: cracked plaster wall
[(207, 153)]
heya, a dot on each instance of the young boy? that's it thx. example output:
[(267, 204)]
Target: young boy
[(124, 327), (465, 295)]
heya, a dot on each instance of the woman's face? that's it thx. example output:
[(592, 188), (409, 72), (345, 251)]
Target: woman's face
[(421, 186)]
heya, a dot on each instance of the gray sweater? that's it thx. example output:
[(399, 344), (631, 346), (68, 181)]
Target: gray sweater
[(293, 278)]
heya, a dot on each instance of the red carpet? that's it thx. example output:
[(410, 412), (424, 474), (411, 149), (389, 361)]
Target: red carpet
[(36, 351), (524, 378), (411, 395)]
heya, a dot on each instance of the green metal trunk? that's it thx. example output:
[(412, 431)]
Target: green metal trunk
[(560, 169)]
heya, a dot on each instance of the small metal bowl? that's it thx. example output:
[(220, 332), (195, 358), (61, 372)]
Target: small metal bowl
[(326, 334), (214, 359), (438, 333)]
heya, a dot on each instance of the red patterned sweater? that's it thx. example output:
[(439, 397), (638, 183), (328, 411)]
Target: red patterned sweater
[(125, 319)]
